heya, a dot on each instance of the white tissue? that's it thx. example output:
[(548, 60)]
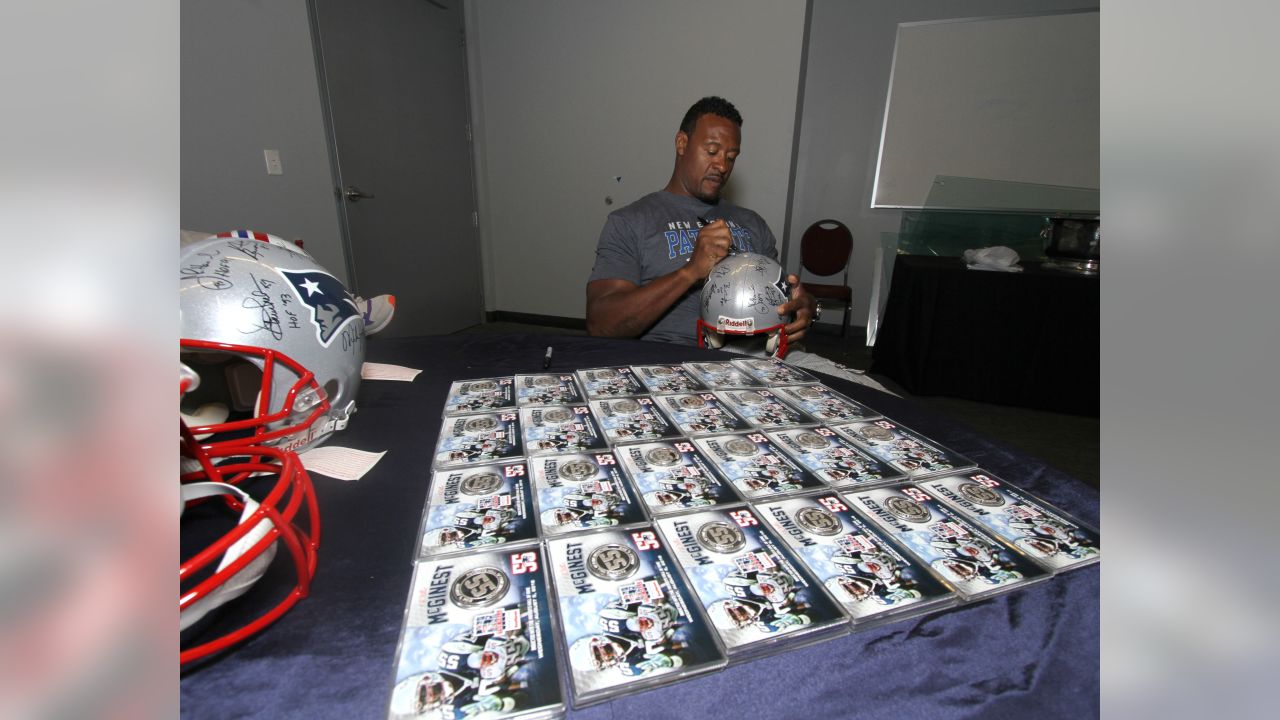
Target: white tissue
[(999, 258)]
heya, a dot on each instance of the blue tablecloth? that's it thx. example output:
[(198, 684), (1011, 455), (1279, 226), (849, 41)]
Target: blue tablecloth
[(1031, 653)]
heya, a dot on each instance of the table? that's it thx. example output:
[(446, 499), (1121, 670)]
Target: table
[(1027, 339), (1033, 652)]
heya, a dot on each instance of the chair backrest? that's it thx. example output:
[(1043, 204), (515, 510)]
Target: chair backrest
[(825, 250)]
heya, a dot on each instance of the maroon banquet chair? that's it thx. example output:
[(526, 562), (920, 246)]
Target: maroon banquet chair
[(825, 248)]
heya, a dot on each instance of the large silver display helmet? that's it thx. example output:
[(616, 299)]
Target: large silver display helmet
[(276, 339), (264, 237), (740, 306)]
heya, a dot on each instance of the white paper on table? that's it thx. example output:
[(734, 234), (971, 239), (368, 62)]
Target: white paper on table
[(339, 462), (382, 371)]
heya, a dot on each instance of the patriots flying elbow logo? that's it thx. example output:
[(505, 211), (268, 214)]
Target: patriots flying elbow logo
[(783, 286), (330, 304)]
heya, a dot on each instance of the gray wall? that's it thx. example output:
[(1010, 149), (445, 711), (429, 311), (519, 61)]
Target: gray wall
[(249, 83), (568, 95), (850, 53)]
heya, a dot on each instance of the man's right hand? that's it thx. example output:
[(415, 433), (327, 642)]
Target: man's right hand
[(712, 246), (620, 308)]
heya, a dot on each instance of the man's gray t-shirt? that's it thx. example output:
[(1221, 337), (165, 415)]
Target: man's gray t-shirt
[(654, 236)]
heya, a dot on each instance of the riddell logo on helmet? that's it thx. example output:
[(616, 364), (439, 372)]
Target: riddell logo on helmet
[(292, 444), (728, 324)]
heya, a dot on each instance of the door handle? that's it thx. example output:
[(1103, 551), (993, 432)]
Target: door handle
[(355, 194)]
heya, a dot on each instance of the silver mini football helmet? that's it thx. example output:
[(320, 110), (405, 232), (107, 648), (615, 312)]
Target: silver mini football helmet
[(277, 341), (740, 301)]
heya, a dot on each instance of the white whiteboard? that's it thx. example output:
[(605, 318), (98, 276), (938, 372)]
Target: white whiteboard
[(992, 103)]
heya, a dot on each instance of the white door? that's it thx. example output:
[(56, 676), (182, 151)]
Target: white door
[(395, 73)]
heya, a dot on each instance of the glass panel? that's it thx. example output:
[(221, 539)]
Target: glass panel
[(950, 192), (970, 213), (949, 234), (886, 254)]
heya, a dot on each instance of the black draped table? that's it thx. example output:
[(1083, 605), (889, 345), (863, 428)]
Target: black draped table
[(1030, 653), (1028, 338)]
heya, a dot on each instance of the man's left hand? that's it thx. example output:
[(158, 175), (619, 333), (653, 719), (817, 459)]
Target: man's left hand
[(802, 304)]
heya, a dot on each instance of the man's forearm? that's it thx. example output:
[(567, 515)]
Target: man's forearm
[(616, 308)]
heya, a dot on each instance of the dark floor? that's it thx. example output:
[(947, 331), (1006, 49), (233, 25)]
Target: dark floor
[(1067, 442)]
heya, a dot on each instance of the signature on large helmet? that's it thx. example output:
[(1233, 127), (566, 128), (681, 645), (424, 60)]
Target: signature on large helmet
[(740, 304)]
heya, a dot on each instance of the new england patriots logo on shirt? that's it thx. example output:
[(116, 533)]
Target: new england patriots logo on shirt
[(330, 305)]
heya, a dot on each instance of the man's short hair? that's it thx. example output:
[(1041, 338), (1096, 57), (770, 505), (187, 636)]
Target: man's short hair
[(710, 105)]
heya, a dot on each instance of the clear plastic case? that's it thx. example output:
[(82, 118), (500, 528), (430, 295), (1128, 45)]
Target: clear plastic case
[(477, 508), (560, 429), (1049, 535), (610, 382), (905, 449), (756, 594), (700, 414), (824, 404), (632, 419), (867, 574), (762, 409), (547, 389), (673, 476), (478, 640), (583, 491), (770, 371), (478, 439), (628, 619), (834, 459), (720, 375), (665, 379), (480, 395), (976, 564), (756, 467)]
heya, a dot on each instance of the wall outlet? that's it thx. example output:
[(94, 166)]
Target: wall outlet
[(274, 166)]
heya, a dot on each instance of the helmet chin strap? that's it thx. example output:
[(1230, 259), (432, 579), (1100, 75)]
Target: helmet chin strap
[(771, 344), (212, 413), (711, 336), (240, 582), (777, 344)]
